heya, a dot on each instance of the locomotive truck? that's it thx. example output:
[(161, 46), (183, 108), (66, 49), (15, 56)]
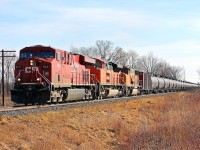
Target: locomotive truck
[(44, 74)]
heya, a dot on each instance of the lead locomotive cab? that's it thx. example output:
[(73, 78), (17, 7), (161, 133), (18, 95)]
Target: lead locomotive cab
[(33, 75)]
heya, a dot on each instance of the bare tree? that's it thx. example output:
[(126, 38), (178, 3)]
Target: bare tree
[(104, 49), (148, 63), (163, 68), (118, 56), (86, 51), (74, 50), (176, 72), (132, 57)]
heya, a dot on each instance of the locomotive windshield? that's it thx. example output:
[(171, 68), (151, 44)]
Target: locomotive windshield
[(46, 54), (43, 54), (25, 55)]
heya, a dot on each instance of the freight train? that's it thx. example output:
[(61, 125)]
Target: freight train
[(44, 74)]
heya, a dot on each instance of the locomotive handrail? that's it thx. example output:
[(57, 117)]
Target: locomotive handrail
[(18, 74), (122, 79), (94, 78), (45, 79)]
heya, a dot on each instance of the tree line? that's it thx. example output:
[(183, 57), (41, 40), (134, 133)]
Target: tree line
[(105, 50)]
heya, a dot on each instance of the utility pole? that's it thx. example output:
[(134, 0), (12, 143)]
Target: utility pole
[(3, 56)]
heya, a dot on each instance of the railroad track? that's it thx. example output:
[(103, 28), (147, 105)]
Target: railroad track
[(17, 111)]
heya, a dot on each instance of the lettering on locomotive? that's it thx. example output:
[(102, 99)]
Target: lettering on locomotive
[(30, 69)]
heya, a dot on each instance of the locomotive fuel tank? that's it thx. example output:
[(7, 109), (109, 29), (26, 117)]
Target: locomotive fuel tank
[(74, 94), (135, 91), (111, 92)]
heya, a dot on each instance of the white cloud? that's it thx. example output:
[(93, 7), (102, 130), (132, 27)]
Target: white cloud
[(47, 19), (44, 18)]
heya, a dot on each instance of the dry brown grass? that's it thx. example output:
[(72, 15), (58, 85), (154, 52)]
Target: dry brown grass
[(7, 101), (161, 122), (177, 126)]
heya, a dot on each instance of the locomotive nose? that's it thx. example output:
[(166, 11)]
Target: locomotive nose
[(27, 71), (31, 74)]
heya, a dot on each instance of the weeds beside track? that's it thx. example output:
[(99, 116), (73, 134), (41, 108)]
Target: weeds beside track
[(168, 122), (24, 110)]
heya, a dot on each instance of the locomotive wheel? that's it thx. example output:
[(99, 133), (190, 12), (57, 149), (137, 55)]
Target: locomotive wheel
[(54, 100), (59, 99)]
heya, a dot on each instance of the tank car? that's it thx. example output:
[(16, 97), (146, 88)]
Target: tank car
[(153, 84)]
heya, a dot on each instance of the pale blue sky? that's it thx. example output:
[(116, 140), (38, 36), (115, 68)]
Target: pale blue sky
[(170, 29)]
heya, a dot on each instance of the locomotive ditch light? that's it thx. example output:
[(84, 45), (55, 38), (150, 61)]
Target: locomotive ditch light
[(38, 79), (18, 79)]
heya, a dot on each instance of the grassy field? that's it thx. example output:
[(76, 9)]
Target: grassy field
[(7, 101), (162, 122)]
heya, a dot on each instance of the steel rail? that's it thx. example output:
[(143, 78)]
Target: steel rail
[(18, 111)]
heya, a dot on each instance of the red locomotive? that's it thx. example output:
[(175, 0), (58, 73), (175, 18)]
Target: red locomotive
[(45, 74)]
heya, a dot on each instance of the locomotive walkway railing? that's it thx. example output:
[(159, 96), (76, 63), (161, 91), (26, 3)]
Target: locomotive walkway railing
[(18, 75), (49, 83), (93, 78)]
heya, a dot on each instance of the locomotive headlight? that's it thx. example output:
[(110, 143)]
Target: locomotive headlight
[(31, 62), (38, 79), (18, 79)]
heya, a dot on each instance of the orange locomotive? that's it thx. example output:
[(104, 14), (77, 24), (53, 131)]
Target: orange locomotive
[(45, 74), (110, 83)]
